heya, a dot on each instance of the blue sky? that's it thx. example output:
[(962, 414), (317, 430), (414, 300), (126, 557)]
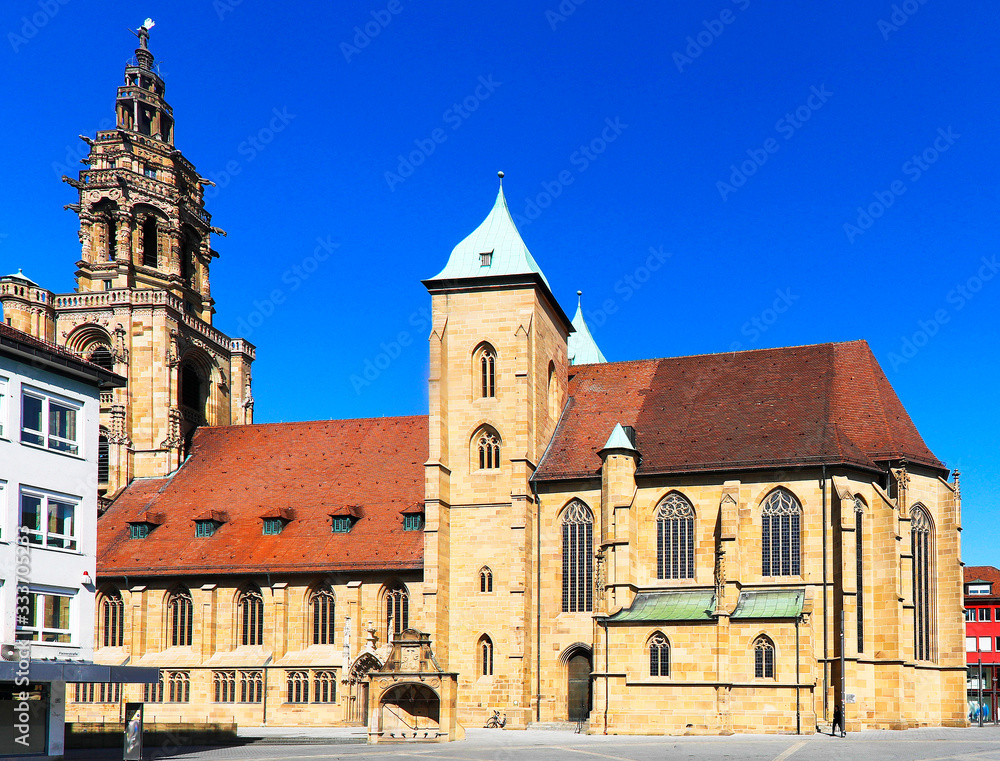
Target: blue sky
[(838, 162)]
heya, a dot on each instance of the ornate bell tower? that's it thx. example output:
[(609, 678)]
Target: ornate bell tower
[(142, 306)]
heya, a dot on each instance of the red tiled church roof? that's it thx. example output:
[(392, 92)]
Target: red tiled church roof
[(983, 573), (249, 472), (827, 403)]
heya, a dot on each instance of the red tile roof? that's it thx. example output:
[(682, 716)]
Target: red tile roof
[(247, 472), (983, 573), (827, 403)]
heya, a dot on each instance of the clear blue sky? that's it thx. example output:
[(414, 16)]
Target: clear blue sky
[(833, 107)]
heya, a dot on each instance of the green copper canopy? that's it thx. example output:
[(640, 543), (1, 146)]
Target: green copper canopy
[(777, 603), (654, 607)]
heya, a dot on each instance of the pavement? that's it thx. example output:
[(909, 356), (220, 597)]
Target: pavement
[(930, 744)]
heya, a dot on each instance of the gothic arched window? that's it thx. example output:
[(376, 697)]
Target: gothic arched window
[(922, 546), (180, 610), (112, 620), (485, 580), (150, 243), (577, 558), (675, 538), (859, 545), (763, 658), (487, 360), (251, 609), (485, 656), (323, 608), (487, 449), (397, 610), (101, 356), (779, 540), (659, 655)]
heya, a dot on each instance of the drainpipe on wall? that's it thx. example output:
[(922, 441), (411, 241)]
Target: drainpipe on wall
[(607, 649), (826, 662), (798, 711), (538, 602)]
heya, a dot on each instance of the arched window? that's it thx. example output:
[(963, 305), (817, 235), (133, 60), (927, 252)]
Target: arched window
[(485, 580), (763, 658), (779, 538), (859, 545), (150, 243), (487, 360), (553, 391), (485, 656), (112, 239), (577, 558), (675, 538), (192, 395), (487, 449), (251, 608), (322, 604), (659, 655), (397, 610), (113, 620), (923, 591), (181, 614), (101, 356), (103, 457)]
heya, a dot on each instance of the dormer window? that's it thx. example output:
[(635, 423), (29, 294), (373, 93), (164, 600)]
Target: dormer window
[(273, 526), (979, 589), (413, 522), (205, 528), (341, 524), (138, 530), (486, 259)]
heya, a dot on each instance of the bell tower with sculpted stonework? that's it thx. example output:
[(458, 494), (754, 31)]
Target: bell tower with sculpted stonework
[(143, 305), (498, 381)]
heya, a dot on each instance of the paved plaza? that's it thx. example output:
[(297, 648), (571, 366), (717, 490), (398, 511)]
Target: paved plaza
[(498, 745)]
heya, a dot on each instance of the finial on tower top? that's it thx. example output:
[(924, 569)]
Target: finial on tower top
[(143, 33), (579, 298), (500, 175)]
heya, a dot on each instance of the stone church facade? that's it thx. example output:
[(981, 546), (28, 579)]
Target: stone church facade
[(707, 544)]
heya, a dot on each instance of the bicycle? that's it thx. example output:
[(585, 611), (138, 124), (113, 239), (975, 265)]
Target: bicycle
[(495, 722)]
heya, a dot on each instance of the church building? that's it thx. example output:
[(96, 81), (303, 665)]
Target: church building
[(718, 543)]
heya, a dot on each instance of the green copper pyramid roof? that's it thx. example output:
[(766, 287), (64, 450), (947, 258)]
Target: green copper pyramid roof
[(497, 236), (618, 438), (581, 347), (654, 607), (778, 603)]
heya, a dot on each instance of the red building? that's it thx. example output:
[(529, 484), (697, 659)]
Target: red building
[(982, 638)]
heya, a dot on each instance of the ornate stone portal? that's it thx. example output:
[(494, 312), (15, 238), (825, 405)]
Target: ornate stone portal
[(412, 698)]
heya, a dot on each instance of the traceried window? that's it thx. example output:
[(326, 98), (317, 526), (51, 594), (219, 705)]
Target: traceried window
[(154, 693), (181, 614), (485, 656), (323, 608), (97, 692), (763, 658), (780, 538), (298, 686), (485, 580), (251, 686), (921, 545), (859, 549), (178, 686), (251, 609), (675, 538), (225, 686), (577, 558), (112, 620), (487, 448), (324, 686), (397, 610), (659, 655), (487, 371)]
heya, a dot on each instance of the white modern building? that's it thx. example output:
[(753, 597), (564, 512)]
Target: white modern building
[(50, 453)]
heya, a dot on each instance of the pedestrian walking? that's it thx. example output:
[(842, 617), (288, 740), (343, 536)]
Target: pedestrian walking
[(838, 722)]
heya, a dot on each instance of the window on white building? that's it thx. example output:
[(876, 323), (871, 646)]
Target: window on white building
[(3, 408), (48, 520), (45, 618), (48, 421)]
